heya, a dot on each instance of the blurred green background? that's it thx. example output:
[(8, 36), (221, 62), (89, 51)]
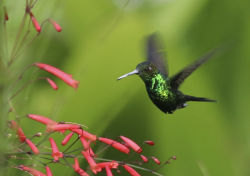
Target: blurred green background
[(102, 40)]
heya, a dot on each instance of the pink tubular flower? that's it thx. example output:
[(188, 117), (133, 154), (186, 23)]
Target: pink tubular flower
[(52, 84), (61, 127), (31, 171), (55, 25), (108, 171), (85, 134), (130, 170), (156, 160), (81, 172), (144, 158), (67, 138), (32, 146), (41, 119), (132, 144), (19, 131), (56, 154), (76, 165), (35, 23), (91, 152), (48, 171), (86, 146), (85, 143), (21, 134), (149, 142), (58, 73), (116, 145), (93, 166), (110, 164), (78, 169)]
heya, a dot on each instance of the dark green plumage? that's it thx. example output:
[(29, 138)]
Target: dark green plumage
[(162, 89)]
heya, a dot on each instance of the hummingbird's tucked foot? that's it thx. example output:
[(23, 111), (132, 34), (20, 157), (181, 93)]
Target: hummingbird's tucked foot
[(182, 106)]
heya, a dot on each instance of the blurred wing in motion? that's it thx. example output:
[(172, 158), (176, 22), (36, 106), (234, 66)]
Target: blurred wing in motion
[(179, 78), (156, 53)]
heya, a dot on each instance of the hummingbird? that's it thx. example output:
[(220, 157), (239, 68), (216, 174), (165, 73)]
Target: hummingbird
[(162, 89)]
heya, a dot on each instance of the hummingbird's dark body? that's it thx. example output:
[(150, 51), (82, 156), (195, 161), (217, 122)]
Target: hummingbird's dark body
[(161, 94), (162, 89)]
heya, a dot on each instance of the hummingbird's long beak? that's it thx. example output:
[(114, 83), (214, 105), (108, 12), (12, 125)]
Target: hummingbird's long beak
[(128, 74)]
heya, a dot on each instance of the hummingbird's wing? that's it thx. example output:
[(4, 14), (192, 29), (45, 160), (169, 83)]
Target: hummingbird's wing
[(156, 53), (177, 80)]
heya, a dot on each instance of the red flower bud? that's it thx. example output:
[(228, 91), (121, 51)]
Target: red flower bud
[(55, 25), (93, 166), (132, 144), (85, 143), (19, 131), (52, 84), (144, 158), (85, 134), (61, 127), (42, 119), (67, 138), (48, 171), (77, 168), (31, 171), (21, 134), (149, 142), (110, 164), (81, 172), (116, 145), (156, 160), (58, 73), (32, 146), (130, 170), (35, 23), (56, 154), (108, 171)]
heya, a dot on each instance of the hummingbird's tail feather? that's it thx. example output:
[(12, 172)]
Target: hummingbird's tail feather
[(192, 98)]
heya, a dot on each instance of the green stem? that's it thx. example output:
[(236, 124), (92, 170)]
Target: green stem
[(12, 55), (71, 145), (19, 90), (6, 40), (21, 43)]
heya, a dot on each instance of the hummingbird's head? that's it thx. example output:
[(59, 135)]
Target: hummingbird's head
[(146, 70)]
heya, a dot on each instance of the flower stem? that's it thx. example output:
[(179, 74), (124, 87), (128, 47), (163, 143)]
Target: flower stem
[(12, 55)]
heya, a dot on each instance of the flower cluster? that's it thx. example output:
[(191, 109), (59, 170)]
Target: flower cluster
[(87, 140)]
